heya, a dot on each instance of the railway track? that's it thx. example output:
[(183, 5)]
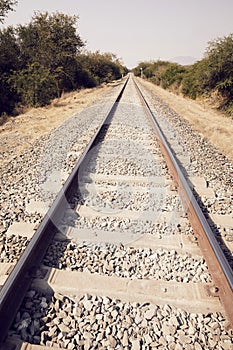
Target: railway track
[(117, 262)]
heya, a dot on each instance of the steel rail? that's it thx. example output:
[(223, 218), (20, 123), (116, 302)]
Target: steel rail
[(17, 283), (218, 265)]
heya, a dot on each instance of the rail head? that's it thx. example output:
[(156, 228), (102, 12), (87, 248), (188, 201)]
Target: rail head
[(219, 266), (17, 283)]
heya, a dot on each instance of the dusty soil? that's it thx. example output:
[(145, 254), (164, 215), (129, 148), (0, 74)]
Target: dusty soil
[(213, 125), (19, 133)]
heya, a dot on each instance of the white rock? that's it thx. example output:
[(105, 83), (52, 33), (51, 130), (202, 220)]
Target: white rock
[(135, 344)]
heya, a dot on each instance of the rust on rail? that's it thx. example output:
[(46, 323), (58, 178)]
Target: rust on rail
[(17, 283), (218, 265)]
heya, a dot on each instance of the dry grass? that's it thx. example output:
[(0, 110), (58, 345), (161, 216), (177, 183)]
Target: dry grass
[(213, 125), (20, 132)]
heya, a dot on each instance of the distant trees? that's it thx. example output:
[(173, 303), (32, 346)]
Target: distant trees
[(42, 59), (213, 73), (162, 73), (102, 67)]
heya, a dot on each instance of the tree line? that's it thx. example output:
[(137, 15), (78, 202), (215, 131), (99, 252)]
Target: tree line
[(44, 58), (214, 73)]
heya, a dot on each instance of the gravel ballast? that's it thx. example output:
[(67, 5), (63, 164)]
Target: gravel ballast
[(128, 150), (205, 160), (96, 322), (127, 262), (27, 176)]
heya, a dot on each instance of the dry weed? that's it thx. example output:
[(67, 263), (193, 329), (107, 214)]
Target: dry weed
[(213, 125)]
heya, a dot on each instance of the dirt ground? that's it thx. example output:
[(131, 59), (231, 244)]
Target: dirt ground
[(19, 133), (212, 124)]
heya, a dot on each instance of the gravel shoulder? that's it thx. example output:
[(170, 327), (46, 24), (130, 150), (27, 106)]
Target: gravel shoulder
[(201, 158), (213, 125), (33, 145), (19, 133)]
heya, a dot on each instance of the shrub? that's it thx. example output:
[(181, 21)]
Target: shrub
[(35, 84)]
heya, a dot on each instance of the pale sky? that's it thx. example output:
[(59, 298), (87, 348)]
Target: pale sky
[(140, 30)]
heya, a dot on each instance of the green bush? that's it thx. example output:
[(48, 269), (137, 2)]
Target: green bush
[(173, 74), (103, 67), (195, 79), (213, 73), (43, 59), (161, 72), (35, 85), (219, 55)]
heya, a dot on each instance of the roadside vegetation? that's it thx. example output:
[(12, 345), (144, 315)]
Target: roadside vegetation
[(43, 59), (211, 77)]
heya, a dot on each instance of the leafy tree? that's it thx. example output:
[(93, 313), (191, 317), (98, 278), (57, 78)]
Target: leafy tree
[(143, 68), (35, 84), (158, 69), (102, 67), (40, 60), (213, 72), (195, 80), (172, 75), (5, 7), (84, 78), (49, 39), (219, 56), (52, 41), (162, 73), (9, 50), (9, 60)]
